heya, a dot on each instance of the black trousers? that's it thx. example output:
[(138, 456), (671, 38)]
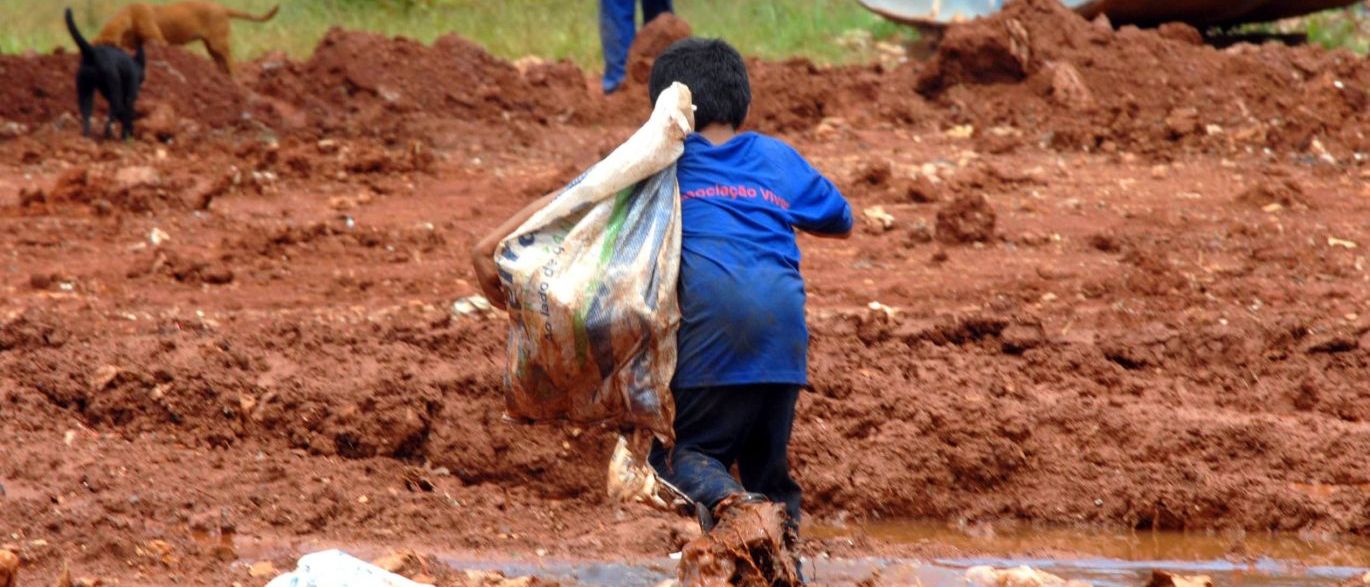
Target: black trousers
[(717, 427)]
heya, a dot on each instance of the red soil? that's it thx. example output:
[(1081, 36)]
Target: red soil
[(1166, 327)]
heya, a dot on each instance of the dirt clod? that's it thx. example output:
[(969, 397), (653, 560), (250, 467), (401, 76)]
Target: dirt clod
[(1283, 192), (967, 219)]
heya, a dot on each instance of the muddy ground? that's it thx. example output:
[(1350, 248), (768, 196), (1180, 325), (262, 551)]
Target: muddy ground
[(1125, 286)]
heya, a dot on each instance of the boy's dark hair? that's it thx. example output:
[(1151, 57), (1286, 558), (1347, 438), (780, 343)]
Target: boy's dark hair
[(714, 72)]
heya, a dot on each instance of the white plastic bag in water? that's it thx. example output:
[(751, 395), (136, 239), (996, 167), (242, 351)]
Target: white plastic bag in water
[(335, 568), (591, 281)]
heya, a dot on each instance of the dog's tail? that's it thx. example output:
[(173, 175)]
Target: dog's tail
[(262, 18), (81, 42)]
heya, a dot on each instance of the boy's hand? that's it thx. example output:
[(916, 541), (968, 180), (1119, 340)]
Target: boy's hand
[(483, 254), (487, 277)]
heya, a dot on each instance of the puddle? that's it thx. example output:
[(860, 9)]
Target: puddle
[(1127, 558), (587, 573), (1105, 572), (1102, 559), (1141, 545), (1100, 572)]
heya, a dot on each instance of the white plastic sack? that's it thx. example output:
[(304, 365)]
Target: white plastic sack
[(591, 281), (335, 568)]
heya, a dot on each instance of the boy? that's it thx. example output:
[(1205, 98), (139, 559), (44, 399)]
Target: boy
[(743, 343)]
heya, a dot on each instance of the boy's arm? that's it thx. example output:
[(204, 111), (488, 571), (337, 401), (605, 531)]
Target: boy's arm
[(831, 235), (824, 213), (819, 208), (483, 253)]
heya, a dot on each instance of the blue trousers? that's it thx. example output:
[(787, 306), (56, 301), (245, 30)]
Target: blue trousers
[(616, 31), (716, 427)]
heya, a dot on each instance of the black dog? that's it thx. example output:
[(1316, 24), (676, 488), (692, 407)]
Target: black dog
[(117, 76)]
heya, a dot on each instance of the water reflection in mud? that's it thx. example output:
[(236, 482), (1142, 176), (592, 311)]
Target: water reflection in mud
[(1103, 559), (1136, 546)]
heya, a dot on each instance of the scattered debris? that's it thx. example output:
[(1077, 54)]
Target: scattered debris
[(1024, 576), (960, 131), (1333, 241), (882, 310), (471, 305), (1164, 579), (877, 219)]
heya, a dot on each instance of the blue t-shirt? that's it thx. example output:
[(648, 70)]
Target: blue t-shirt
[(741, 295)]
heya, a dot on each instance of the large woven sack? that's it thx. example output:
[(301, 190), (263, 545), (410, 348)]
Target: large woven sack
[(591, 281)]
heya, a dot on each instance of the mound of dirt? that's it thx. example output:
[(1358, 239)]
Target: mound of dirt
[(1037, 65), (194, 86), (40, 89), (37, 88), (654, 38), (354, 78), (796, 94)]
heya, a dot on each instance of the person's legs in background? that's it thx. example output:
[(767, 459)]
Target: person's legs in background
[(654, 8), (616, 31)]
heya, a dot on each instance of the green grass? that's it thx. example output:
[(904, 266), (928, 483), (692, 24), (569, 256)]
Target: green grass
[(1347, 28), (510, 29), (563, 28), (1343, 28)]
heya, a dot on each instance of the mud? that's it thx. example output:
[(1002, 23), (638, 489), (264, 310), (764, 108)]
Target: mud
[(746, 548), (239, 326)]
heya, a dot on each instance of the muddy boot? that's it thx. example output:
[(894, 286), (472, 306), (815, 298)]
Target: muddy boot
[(746, 547), (735, 502), (709, 518)]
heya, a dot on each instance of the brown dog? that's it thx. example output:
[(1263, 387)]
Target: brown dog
[(177, 24)]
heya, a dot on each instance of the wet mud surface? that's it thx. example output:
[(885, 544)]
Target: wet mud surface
[(1124, 287)]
